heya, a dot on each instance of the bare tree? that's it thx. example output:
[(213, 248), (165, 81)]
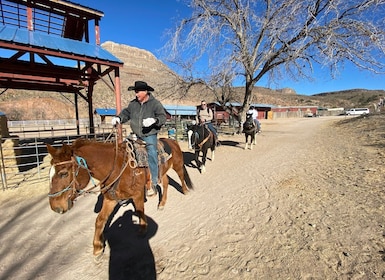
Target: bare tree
[(254, 38)]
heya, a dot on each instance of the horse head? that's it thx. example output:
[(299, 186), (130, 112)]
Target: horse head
[(66, 178), (249, 123), (198, 134)]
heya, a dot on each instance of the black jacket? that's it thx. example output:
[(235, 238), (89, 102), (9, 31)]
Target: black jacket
[(137, 112)]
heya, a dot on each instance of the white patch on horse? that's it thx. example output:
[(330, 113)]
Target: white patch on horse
[(51, 174), (189, 134)]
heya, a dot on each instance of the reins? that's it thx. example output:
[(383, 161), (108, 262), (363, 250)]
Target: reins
[(205, 139), (81, 163)]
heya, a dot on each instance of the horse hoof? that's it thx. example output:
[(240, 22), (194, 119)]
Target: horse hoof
[(161, 207)]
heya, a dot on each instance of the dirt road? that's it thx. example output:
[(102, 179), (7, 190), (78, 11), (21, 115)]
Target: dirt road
[(306, 203)]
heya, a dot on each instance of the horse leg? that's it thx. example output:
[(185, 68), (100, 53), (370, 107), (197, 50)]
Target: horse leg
[(180, 171), (100, 223), (251, 141), (139, 209), (246, 138), (165, 182), (197, 159), (189, 134), (213, 145), (204, 157)]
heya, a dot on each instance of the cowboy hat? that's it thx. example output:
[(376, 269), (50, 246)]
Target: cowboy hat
[(140, 85)]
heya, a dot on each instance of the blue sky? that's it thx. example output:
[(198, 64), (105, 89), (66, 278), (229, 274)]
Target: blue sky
[(142, 24)]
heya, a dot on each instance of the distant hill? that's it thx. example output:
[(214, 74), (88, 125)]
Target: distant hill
[(143, 65)]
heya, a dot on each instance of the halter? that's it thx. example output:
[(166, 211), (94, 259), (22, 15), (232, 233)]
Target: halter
[(73, 183), (81, 163)]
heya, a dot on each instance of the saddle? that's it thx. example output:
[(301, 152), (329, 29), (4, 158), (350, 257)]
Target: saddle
[(141, 156)]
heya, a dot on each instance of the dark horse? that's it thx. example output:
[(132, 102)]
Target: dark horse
[(250, 130), (120, 174), (201, 139)]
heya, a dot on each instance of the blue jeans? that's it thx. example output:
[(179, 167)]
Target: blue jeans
[(152, 151), (258, 124), (213, 130)]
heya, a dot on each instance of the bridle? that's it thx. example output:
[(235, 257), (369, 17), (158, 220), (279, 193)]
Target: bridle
[(78, 162), (74, 183)]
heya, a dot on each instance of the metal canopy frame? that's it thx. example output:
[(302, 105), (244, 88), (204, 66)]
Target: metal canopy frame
[(48, 42)]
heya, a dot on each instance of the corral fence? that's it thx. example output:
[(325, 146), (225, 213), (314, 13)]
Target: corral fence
[(24, 156)]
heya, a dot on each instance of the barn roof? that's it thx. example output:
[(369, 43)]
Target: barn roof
[(181, 110), (236, 104), (105, 112), (26, 38)]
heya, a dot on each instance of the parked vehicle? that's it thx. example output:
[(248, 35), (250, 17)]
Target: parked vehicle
[(357, 111)]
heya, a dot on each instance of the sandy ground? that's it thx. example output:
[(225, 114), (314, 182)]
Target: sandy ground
[(306, 203)]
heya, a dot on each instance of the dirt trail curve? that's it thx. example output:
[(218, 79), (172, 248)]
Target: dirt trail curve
[(306, 203)]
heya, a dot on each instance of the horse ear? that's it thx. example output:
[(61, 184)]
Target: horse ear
[(50, 149)]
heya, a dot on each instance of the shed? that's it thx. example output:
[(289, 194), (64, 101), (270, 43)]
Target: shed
[(180, 111), (105, 112), (222, 113), (293, 111)]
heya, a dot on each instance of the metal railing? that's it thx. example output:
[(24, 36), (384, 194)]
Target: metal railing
[(24, 156)]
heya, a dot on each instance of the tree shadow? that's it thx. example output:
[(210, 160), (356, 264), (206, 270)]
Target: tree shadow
[(131, 256)]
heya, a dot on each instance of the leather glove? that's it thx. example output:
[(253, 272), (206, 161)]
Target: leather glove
[(149, 122), (115, 121)]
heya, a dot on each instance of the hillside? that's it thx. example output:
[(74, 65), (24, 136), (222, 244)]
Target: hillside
[(143, 65)]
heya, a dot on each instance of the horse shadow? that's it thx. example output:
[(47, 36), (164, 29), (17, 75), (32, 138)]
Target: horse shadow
[(229, 143), (189, 159), (131, 256), (174, 184)]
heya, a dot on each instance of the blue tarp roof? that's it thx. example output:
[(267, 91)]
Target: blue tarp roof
[(105, 112), (180, 110), (54, 43)]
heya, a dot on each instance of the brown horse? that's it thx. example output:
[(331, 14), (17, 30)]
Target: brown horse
[(120, 178)]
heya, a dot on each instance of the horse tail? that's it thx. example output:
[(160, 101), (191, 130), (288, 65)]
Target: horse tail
[(187, 178)]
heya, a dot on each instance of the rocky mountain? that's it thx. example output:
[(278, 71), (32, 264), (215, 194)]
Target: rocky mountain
[(143, 65)]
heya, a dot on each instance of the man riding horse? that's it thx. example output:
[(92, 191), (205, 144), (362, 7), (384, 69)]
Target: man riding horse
[(205, 116)]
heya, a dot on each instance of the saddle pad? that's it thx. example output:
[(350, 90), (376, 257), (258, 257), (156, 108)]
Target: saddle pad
[(164, 153)]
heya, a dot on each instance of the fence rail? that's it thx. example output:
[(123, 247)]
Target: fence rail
[(24, 154)]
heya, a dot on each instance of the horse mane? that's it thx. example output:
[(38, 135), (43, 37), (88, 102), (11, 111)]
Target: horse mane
[(80, 142)]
